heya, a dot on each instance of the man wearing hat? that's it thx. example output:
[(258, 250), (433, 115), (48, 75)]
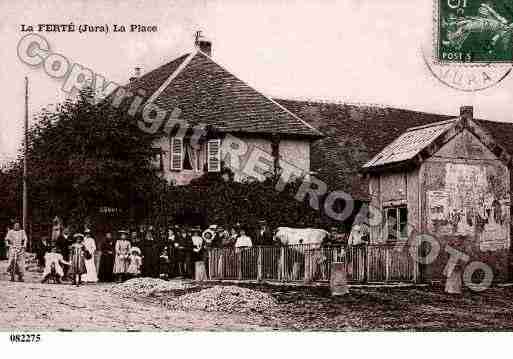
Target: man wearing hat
[(263, 236)]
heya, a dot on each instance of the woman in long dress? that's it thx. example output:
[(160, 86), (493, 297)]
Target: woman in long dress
[(107, 259), (122, 256), (90, 245), (151, 251)]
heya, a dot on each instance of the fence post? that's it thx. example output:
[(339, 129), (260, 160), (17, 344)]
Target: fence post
[(366, 263), (209, 263), (282, 264), (259, 264), (307, 255), (416, 266), (387, 263), (239, 262)]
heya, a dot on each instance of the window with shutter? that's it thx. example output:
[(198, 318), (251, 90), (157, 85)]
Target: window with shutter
[(176, 157), (214, 155)]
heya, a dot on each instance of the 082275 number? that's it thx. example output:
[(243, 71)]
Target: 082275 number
[(25, 338)]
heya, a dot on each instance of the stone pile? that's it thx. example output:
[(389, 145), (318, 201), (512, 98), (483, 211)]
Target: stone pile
[(228, 299), (145, 287)]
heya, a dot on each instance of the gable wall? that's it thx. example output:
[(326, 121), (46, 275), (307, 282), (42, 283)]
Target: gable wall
[(465, 199)]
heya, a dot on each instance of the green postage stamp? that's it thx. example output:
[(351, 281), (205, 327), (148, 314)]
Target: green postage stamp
[(475, 31)]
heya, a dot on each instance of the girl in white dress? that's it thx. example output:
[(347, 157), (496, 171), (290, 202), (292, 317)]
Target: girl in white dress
[(91, 275)]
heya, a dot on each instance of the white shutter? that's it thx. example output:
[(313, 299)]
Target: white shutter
[(214, 155), (176, 157)]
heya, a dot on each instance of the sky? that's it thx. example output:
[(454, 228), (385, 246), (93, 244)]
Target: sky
[(353, 51)]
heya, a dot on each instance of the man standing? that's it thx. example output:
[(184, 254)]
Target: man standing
[(17, 241), (264, 236)]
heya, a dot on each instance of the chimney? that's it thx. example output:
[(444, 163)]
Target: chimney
[(467, 112), (203, 44), (137, 74)]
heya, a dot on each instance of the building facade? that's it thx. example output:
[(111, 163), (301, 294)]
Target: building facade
[(449, 180), (211, 106)]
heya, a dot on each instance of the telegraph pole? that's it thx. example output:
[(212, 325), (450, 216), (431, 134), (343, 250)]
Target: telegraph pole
[(25, 153)]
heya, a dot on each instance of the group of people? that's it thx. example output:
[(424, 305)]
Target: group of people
[(147, 252), (80, 259), (123, 254)]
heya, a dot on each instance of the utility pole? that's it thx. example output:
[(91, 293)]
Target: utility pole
[(25, 194)]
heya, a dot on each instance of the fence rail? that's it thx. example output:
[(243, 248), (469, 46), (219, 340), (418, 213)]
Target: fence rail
[(309, 263)]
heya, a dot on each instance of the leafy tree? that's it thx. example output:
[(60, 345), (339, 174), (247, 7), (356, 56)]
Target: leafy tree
[(83, 156)]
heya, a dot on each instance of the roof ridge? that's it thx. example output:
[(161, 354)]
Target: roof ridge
[(175, 73), (329, 102), (431, 124), (142, 77), (362, 104)]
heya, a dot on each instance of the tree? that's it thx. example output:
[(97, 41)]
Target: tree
[(83, 156)]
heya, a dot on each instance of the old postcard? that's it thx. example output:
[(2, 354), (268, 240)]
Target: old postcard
[(171, 166)]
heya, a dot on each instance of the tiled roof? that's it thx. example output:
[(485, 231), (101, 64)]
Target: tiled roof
[(355, 134), (151, 81), (207, 93), (409, 144)]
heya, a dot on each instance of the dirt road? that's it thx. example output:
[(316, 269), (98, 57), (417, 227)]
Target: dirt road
[(64, 307), (34, 306)]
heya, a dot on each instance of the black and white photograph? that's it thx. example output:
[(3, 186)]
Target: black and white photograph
[(255, 166)]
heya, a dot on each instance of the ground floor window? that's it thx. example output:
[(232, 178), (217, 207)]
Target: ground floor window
[(396, 223)]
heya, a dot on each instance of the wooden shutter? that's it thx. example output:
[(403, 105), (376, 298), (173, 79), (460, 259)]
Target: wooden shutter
[(214, 155), (176, 157)]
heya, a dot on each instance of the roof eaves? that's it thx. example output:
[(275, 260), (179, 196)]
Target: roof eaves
[(427, 150)]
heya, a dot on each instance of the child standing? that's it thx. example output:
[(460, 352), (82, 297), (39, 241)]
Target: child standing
[(134, 268), (77, 259)]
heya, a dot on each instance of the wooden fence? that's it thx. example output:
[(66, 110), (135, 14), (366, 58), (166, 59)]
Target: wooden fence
[(364, 263)]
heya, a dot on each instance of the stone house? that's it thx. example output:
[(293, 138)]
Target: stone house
[(206, 96)]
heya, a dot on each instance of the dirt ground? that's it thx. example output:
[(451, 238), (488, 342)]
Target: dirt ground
[(34, 306)]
